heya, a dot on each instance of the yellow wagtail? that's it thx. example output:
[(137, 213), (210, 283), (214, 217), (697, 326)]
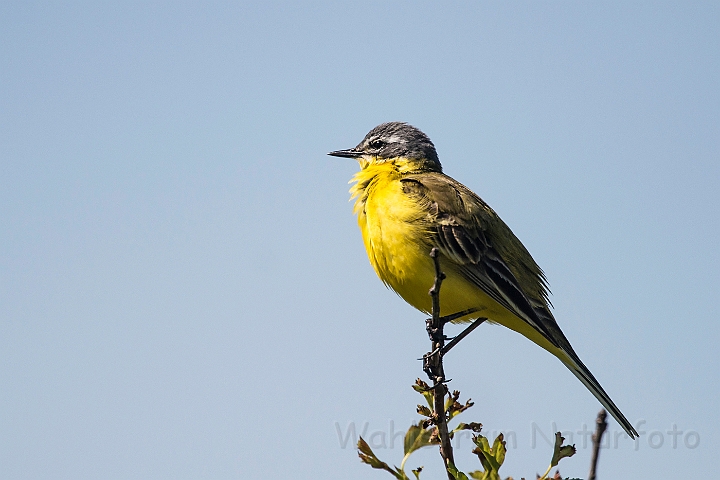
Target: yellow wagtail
[(406, 206)]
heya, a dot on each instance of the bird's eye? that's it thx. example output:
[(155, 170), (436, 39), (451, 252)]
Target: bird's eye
[(376, 144)]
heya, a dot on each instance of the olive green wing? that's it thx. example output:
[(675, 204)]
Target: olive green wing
[(469, 233)]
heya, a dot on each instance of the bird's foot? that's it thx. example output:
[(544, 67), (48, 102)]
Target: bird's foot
[(435, 333)]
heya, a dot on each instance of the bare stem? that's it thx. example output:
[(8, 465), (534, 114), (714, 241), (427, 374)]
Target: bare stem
[(433, 360), (434, 366), (600, 426)]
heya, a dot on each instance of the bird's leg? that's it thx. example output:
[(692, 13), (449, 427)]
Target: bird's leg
[(462, 335), (433, 331), (454, 316)]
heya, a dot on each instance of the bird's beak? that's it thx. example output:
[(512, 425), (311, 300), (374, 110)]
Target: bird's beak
[(348, 153)]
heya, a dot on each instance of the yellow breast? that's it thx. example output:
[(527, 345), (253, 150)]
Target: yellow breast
[(395, 235), (396, 232)]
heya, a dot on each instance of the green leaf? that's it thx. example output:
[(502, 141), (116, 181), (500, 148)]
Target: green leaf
[(490, 458), (499, 450), (368, 456), (474, 426), (416, 438), (424, 411), (457, 474), (561, 451), (453, 407), (425, 390)]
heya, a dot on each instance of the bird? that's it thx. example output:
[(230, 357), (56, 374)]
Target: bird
[(406, 206)]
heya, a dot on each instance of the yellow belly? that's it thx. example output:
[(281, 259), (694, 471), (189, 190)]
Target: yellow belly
[(398, 246)]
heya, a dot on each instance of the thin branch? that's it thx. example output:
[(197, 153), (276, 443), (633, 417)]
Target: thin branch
[(435, 290), (433, 360), (600, 427), (433, 366)]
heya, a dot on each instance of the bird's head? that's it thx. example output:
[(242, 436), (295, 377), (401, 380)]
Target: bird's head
[(395, 142)]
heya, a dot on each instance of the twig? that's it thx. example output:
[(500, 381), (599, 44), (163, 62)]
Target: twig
[(600, 426), (433, 366), (433, 360), (435, 290)]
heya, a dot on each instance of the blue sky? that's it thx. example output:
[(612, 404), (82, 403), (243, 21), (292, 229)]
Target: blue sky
[(183, 289)]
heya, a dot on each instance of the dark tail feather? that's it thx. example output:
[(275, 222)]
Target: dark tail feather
[(583, 374)]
